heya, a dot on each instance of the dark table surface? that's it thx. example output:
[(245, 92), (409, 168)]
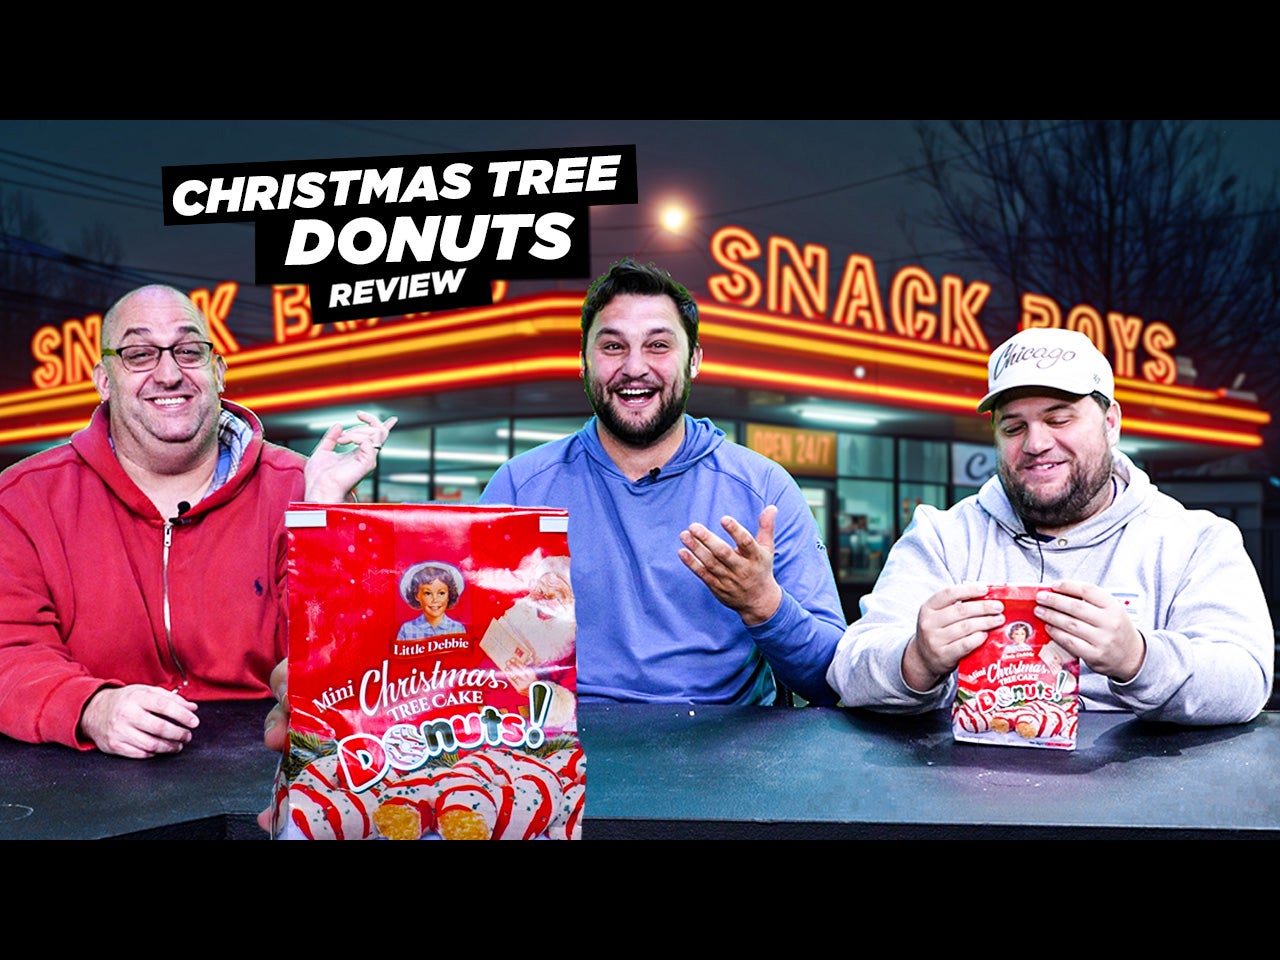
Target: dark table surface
[(211, 790), (830, 773), (733, 772)]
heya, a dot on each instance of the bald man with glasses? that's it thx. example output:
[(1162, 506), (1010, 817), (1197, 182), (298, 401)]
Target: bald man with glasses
[(143, 563)]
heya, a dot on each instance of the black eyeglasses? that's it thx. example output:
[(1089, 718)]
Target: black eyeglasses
[(146, 356)]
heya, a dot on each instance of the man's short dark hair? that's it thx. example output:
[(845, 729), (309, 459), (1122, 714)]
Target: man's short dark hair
[(630, 276)]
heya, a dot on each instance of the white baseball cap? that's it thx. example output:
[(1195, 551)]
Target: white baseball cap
[(1063, 360)]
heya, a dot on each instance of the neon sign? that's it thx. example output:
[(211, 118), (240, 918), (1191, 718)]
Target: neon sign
[(796, 280)]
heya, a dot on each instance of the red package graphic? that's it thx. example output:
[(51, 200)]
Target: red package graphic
[(432, 675), (1019, 689)]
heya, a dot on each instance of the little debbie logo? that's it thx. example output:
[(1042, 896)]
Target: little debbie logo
[(405, 234)]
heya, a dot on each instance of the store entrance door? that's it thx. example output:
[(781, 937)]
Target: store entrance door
[(819, 495)]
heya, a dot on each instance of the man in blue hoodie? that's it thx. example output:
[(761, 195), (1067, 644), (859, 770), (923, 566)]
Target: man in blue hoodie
[(667, 609)]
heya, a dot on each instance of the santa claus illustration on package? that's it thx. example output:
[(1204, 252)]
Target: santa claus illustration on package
[(432, 675)]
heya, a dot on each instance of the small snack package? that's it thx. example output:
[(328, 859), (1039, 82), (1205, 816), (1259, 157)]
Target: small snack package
[(432, 675), (1019, 689)]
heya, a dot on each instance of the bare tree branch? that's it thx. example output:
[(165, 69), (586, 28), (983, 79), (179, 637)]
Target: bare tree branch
[(1138, 216)]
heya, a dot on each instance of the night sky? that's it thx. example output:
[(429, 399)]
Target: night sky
[(848, 185)]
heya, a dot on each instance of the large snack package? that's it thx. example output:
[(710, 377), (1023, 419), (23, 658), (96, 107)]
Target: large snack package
[(432, 675), (1019, 689)]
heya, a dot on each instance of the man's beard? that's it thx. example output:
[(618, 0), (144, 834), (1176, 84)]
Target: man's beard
[(638, 435), (1070, 506)]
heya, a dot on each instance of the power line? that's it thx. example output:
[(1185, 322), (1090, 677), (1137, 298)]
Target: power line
[(149, 207)]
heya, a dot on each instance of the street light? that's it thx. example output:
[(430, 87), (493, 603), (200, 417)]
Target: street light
[(674, 218)]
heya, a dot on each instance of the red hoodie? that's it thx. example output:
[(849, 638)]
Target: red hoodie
[(83, 574)]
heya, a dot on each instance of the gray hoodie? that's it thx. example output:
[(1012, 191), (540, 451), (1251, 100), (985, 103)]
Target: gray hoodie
[(1184, 575)]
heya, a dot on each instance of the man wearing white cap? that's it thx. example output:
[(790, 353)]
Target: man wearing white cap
[(1161, 604)]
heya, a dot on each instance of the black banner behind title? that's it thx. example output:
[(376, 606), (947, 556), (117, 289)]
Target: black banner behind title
[(377, 236)]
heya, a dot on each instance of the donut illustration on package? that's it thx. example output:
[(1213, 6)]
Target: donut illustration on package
[(1019, 689), (432, 675)]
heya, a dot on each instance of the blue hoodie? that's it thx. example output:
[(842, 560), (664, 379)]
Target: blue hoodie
[(648, 628)]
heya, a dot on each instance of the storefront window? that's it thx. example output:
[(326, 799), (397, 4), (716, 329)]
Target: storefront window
[(864, 528), (913, 495), (864, 455), (923, 460), (817, 499), (534, 432), (466, 456), (404, 467), (881, 478)]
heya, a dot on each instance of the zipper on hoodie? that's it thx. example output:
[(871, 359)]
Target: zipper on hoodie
[(168, 624)]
